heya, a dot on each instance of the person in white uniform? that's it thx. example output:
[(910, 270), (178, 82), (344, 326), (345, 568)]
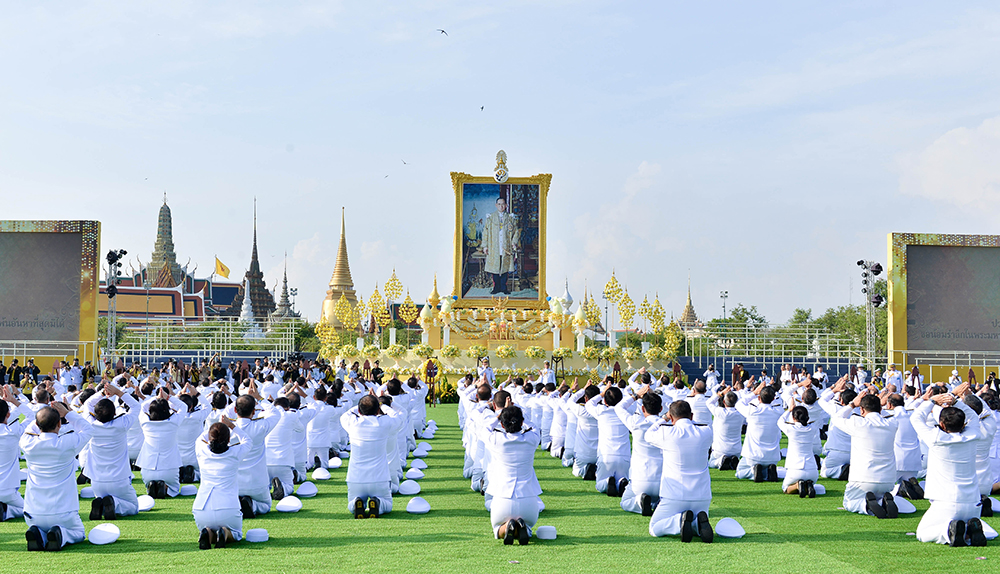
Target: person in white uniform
[(873, 458), (988, 422), (727, 430), (160, 458), (643, 491), (762, 447), (512, 483), (51, 506), (712, 377), (613, 449), (216, 509), (255, 487), (11, 430), (370, 425), (685, 484), (801, 472), (107, 464), (837, 449), (952, 485), (587, 433), (698, 399), (906, 447)]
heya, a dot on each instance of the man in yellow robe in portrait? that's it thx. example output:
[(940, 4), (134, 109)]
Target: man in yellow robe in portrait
[(501, 242)]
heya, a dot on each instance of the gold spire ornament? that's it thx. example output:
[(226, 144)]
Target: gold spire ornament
[(644, 308), (613, 289), (593, 311), (626, 309), (341, 282), (376, 306), (393, 288), (500, 173), (342, 310), (408, 310), (434, 298)]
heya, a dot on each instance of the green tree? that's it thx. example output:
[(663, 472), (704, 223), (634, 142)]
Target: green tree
[(306, 340)]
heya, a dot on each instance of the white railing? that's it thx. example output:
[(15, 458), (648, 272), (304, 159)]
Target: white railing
[(67, 350), (203, 337)]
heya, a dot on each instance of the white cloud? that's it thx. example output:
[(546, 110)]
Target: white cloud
[(960, 167)]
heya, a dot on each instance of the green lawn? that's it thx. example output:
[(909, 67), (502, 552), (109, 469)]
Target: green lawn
[(784, 533)]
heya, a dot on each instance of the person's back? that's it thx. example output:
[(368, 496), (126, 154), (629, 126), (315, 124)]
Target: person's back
[(727, 431), (370, 426), (699, 403), (873, 438), (762, 447)]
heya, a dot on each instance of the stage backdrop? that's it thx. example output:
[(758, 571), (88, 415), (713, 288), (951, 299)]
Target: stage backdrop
[(49, 273), (944, 292), (500, 261)]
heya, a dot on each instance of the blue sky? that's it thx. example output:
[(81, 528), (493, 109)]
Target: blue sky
[(763, 147)]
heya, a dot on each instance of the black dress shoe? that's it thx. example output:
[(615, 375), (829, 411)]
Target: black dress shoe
[(622, 485), (918, 491), (758, 473), (704, 528), (96, 508), (974, 529), (82, 479), (819, 462), (987, 509), (54, 539), (612, 489), (873, 507), (372, 508), (246, 507), (34, 538), (359, 508), (812, 489), (803, 489), (161, 489), (687, 526), (224, 533), (151, 488), (845, 472), (646, 504), (204, 542), (522, 532), (317, 461), (511, 531), (772, 473), (277, 489), (295, 476), (590, 473), (891, 511), (109, 508), (3, 511), (956, 533), (734, 461)]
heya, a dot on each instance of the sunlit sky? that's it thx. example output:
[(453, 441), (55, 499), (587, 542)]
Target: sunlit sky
[(762, 147)]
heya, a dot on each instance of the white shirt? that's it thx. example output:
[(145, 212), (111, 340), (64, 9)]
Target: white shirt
[(685, 459), (108, 459), (159, 447), (727, 429), (511, 471), (951, 457), (252, 467), (219, 487), (873, 438), (763, 438), (699, 408), (647, 460), (51, 464), (10, 450), (800, 442), (906, 445), (612, 434), (369, 435)]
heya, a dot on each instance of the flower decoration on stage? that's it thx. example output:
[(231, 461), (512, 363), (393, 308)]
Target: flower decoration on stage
[(376, 306), (555, 317), (593, 311), (422, 350), (408, 310), (395, 351), (655, 354), (347, 351), (591, 353), (613, 289), (563, 353), (673, 337), (451, 352), (371, 352), (476, 351), (326, 332), (645, 309), (426, 317), (328, 352), (361, 309), (393, 288), (610, 354), (657, 315), (506, 352), (535, 352), (431, 371), (342, 310), (631, 353), (626, 309)]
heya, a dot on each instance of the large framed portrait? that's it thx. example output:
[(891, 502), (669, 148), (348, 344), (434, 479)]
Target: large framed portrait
[(500, 239)]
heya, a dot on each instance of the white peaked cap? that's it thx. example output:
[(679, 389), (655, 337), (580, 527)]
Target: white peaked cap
[(104, 534), (954, 373), (414, 474), (345, 454), (306, 490), (431, 422), (321, 474), (146, 502), (420, 453), (418, 463), (189, 490), (418, 505), (426, 446), (335, 462), (905, 506), (819, 488), (409, 488), (988, 531), (545, 533), (288, 504), (729, 528), (256, 535), (86, 492)]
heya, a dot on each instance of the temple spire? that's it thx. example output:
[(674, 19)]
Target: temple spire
[(284, 308), (341, 282), (689, 318), (163, 270)]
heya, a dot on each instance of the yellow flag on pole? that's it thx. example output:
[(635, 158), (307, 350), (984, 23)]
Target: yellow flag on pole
[(221, 269)]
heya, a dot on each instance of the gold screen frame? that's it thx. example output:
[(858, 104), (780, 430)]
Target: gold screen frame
[(543, 180)]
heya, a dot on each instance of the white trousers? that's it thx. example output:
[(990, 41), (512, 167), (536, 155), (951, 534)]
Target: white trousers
[(123, 493), (854, 494), (558, 441), (834, 463), (14, 502), (167, 475), (261, 497), (636, 488), (363, 490), (69, 522), (792, 476), (933, 526), (568, 456), (282, 473), (322, 453), (745, 468), (231, 518), (608, 467), (504, 509), (666, 519)]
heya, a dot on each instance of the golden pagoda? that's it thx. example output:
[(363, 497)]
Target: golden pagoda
[(689, 319), (434, 298), (341, 282)]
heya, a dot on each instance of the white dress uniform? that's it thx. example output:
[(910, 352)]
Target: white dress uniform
[(569, 443), (50, 495), (614, 453), (838, 443), (546, 376), (763, 439), (513, 486), (727, 431), (646, 466), (487, 372), (191, 427), (108, 465), (800, 463), (279, 449), (253, 468), (301, 447), (10, 467), (906, 446), (318, 435), (418, 406), (160, 458), (547, 415), (712, 378), (368, 471), (952, 485), (557, 429), (218, 503), (700, 412), (482, 419), (873, 458), (984, 470), (587, 436), (685, 483)]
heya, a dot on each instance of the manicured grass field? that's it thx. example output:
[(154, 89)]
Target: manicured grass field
[(784, 533)]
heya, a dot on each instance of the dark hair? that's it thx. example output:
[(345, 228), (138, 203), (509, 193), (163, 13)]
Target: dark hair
[(500, 399), (47, 419), (4, 410), (591, 391), (953, 419), (539, 387), (550, 387), (528, 389), (219, 400), (511, 419), (394, 387), (282, 403), (42, 396), (86, 394), (700, 387), (294, 401), (847, 396), (612, 396), (411, 382), (147, 388), (484, 392), (895, 400), (871, 403), (320, 394), (652, 403), (104, 410), (645, 378), (385, 400), (974, 403), (767, 394), (809, 397), (218, 438), (680, 410), (800, 415), (368, 405), (245, 405), (731, 399), (159, 410), (189, 400), (331, 400), (991, 399)]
